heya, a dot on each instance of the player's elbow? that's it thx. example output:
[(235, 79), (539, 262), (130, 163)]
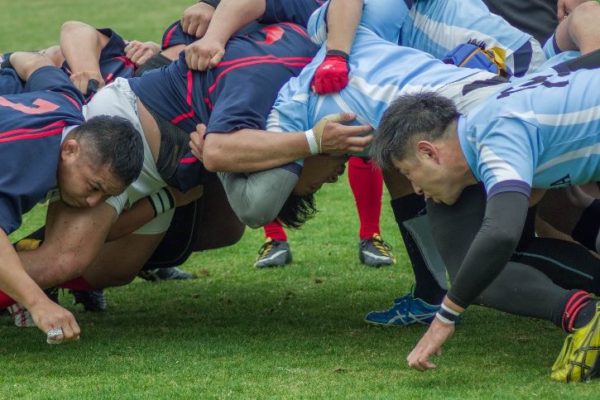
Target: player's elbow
[(214, 155)]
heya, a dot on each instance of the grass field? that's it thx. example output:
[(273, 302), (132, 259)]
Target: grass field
[(237, 332)]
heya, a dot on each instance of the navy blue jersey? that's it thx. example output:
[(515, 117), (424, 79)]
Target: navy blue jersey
[(174, 35), (113, 62), (296, 11), (31, 127), (238, 93)]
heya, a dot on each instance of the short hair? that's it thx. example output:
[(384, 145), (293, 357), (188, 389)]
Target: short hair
[(424, 115), (113, 141), (297, 210)]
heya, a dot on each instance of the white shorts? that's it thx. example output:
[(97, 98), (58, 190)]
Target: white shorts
[(117, 99)]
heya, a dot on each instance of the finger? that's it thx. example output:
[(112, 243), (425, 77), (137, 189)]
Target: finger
[(185, 23), (188, 57), (67, 332), (145, 57), (560, 12), (192, 27), (201, 30), (216, 59)]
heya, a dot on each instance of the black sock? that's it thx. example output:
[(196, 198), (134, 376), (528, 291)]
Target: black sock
[(426, 287)]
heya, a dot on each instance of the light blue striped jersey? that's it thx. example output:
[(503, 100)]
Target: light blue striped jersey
[(380, 71), (543, 131), (438, 26)]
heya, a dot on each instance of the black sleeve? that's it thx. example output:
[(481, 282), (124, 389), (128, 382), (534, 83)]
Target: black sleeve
[(213, 3), (492, 247)]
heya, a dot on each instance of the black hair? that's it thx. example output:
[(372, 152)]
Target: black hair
[(424, 115), (154, 62), (297, 210), (112, 140)]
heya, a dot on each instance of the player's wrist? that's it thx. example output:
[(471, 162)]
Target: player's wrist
[(337, 53), (447, 315), (161, 201), (314, 145)]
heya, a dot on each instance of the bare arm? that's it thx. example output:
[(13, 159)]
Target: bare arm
[(250, 150), (343, 17), (15, 282), (81, 45), (228, 18)]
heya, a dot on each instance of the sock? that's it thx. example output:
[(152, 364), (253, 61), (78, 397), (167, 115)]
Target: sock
[(275, 231), (577, 310), (77, 284), (586, 230), (426, 287), (366, 182)]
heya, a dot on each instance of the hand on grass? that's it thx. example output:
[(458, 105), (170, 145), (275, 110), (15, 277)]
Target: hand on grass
[(430, 344)]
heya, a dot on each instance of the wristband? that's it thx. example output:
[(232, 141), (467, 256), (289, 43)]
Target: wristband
[(447, 315), (213, 3), (313, 144), (161, 201), (340, 53)]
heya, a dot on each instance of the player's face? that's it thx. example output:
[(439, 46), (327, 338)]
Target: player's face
[(318, 170), (431, 179), (83, 183)]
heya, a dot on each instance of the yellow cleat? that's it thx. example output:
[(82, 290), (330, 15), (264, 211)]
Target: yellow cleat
[(579, 355)]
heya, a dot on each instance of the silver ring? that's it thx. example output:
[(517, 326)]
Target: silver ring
[(53, 336)]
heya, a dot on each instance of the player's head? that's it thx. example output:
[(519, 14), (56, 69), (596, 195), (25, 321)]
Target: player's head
[(416, 136), (317, 170), (98, 159), (156, 61)]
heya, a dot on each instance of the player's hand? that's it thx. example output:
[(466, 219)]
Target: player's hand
[(140, 52), (430, 344), (332, 75), (83, 81), (56, 322), (184, 198), (196, 19), (336, 138), (565, 7), (197, 141), (204, 54)]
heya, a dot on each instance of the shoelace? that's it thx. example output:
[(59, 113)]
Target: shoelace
[(382, 246), (265, 248)]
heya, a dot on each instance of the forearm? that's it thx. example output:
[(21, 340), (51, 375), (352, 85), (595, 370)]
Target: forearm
[(14, 281), (132, 219), (231, 15), (492, 247), (81, 45), (250, 150), (343, 17)]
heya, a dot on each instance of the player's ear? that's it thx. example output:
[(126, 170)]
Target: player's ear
[(70, 149), (426, 150)]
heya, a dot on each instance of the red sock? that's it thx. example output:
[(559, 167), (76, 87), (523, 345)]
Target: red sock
[(77, 284), (5, 301), (275, 231), (366, 182)]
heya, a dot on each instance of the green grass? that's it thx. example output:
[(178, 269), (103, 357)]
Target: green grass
[(238, 332)]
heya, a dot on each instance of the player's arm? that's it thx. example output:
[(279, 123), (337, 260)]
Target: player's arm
[(81, 45), (491, 249), (229, 17), (580, 30), (196, 18), (15, 282), (343, 17), (25, 64), (250, 150), (150, 207)]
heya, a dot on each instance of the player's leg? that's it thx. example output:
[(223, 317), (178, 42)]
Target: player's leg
[(519, 288), (366, 182), (421, 305)]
